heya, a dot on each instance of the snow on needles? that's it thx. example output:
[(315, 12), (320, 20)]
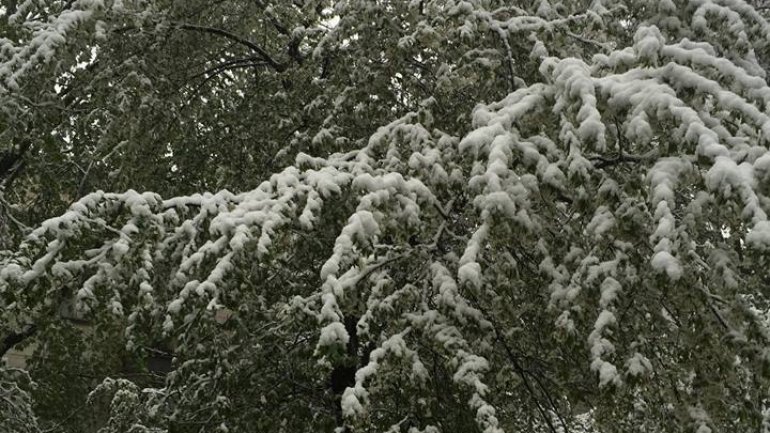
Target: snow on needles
[(601, 186)]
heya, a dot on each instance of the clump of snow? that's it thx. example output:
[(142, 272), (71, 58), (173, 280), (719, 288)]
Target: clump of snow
[(759, 236), (663, 261), (638, 365), (333, 334)]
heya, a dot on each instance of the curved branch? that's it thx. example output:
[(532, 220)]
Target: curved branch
[(278, 67)]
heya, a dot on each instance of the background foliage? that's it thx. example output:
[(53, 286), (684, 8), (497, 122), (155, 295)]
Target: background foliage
[(413, 216)]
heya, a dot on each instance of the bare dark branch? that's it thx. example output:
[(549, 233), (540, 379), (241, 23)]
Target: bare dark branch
[(278, 67)]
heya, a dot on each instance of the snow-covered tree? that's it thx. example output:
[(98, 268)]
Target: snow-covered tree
[(432, 216)]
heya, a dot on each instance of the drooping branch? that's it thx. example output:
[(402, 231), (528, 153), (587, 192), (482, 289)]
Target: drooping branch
[(277, 66), (230, 64), (215, 71)]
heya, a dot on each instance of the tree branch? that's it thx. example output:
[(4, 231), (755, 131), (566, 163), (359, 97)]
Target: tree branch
[(601, 161), (278, 67)]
